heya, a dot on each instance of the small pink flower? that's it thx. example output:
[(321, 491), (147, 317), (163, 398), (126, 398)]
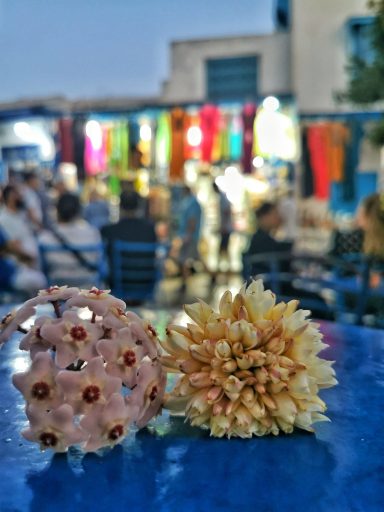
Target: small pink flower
[(108, 425), (34, 341), (123, 354), (141, 333), (88, 387), (149, 392), (73, 338), (54, 429), (38, 385), (116, 318), (12, 320), (98, 301), (54, 293)]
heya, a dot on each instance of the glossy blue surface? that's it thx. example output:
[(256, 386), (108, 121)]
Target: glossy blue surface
[(173, 467)]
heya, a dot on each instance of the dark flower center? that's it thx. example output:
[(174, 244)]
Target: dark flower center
[(48, 439), (38, 333), (52, 289), (40, 390), (116, 432), (96, 291), (78, 333), (91, 394), (129, 358), (120, 312), (153, 394)]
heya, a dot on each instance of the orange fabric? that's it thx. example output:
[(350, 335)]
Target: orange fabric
[(336, 138), (178, 121)]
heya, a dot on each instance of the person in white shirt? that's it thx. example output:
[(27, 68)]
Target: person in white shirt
[(71, 230), (15, 222)]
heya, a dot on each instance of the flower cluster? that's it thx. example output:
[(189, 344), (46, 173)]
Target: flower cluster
[(94, 369), (251, 369)]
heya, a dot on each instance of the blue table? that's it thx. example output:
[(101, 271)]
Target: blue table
[(173, 467)]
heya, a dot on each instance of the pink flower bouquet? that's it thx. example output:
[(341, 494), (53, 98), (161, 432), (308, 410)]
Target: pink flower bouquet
[(94, 371)]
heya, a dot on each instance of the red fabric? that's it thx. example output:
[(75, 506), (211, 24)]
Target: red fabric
[(66, 140), (248, 115), (317, 145), (209, 124)]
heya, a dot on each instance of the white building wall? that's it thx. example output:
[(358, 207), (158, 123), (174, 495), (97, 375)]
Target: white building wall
[(187, 82), (320, 51)]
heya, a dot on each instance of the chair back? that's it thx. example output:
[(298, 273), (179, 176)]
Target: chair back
[(134, 272), (340, 287), (60, 265)]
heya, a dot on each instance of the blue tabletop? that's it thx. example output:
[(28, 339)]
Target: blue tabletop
[(172, 467)]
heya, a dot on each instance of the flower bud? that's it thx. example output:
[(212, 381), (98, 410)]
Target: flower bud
[(223, 349)]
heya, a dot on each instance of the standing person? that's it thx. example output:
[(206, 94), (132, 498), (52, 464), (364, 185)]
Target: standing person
[(16, 224), (225, 221), (70, 232), (190, 216), (287, 206)]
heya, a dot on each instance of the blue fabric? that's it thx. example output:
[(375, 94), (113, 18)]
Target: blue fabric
[(174, 467), (7, 267), (190, 209), (365, 184)]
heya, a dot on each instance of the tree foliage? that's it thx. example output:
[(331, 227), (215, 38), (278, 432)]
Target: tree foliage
[(366, 78)]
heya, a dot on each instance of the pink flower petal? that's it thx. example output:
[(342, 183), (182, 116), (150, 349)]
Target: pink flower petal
[(98, 301), (11, 322), (108, 349), (54, 429)]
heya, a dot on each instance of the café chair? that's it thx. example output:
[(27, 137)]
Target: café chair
[(61, 267), (332, 288), (134, 271)]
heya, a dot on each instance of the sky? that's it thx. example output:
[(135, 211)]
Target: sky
[(99, 48)]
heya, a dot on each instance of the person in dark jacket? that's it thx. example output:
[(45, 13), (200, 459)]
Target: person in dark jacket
[(263, 242), (132, 227)]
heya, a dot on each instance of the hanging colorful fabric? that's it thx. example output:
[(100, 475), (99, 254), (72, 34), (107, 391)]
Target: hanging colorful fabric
[(209, 123), (177, 144), (236, 137), (248, 115), (66, 140), (317, 144)]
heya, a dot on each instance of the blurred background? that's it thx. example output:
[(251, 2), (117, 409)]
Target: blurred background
[(206, 110)]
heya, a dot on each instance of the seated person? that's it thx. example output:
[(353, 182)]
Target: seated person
[(15, 223), (263, 243), (268, 221), (132, 227), (15, 274), (72, 267)]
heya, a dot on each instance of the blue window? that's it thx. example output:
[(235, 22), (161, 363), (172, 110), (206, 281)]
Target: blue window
[(232, 79), (359, 38), (283, 14)]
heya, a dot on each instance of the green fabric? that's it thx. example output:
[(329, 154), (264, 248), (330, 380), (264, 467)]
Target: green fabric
[(163, 140)]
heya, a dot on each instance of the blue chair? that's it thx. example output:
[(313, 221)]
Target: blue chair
[(80, 275), (311, 277), (134, 271)]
